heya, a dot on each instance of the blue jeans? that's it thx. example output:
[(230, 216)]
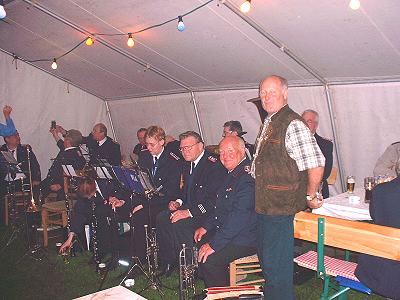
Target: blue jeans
[(275, 251)]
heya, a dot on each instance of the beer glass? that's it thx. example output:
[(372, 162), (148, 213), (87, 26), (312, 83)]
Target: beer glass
[(102, 270), (351, 181), (65, 256), (58, 246), (369, 183)]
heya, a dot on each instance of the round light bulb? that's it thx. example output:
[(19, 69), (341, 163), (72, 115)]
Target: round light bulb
[(181, 25), (54, 65), (245, 7), (89, 41), (355, 4), (2, 12), (130, 41)]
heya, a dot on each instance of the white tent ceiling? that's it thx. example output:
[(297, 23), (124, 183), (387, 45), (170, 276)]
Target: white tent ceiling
[(218, 49)]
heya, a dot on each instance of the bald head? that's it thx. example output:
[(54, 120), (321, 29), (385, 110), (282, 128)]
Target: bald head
[(232, 151), (273, 93)]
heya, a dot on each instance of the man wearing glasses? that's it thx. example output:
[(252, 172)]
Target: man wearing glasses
[(203, 174)]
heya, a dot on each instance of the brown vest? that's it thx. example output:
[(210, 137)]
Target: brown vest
[(280, 187)]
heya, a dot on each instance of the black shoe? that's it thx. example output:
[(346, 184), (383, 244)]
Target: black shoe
[(167, 270)]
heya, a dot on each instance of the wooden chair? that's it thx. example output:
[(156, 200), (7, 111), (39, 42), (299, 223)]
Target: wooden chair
[(53, 213), (241, 267), (21, 200), (332, 177)]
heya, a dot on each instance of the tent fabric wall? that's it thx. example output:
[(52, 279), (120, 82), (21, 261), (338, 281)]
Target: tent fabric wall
[(38, 98)]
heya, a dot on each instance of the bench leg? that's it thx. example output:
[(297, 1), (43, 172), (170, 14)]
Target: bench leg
[(325, 292), (45, 217), (232, 273)]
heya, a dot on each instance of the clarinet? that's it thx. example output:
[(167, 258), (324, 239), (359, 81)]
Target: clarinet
[(94, 238), (67, 207)]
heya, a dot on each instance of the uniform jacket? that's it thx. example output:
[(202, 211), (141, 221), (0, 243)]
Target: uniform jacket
[(234, 218), (380, 274), (326, 147), (387, 163), (199, 195), (22, 158), (167, 175), (139, 148)]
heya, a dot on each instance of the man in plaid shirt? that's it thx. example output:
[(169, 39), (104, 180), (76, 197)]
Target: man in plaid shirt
[(288, 166)]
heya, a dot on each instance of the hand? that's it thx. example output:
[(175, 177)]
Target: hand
[(137, 208), (204, 252), (173, 205), (179, 215), (7, 111), (61, 130), (67, 244), (115, 202), (55, 187), (198, 234), (54, 132), (316, 202)]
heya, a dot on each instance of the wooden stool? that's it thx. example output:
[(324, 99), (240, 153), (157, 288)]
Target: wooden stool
[(53, 213), (241, 267), (21, 200)]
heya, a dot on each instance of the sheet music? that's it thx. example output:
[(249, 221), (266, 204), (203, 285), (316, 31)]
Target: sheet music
[(103, 172), (69, 170)]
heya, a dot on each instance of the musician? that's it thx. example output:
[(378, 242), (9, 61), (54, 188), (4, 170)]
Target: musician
[(71, 155), (203, 174), (95, 206), (234, 128), (20, 153), (234, 221), (141, 146), (165, 169)]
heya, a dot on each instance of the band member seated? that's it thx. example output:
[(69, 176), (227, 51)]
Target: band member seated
[(233, 224), (141, 146), (99, 145), (234, 128), (96, 207), (8, 128), (203, 174), (71, 155), (165, 170), (20, 153)]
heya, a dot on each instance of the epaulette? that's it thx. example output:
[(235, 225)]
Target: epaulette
[(247, 168), (212, 159), (395, 143), (176, 157)]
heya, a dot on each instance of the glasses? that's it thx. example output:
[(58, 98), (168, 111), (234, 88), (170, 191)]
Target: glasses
[(187, 148)]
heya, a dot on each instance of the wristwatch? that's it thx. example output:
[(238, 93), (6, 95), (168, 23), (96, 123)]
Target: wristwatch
[(310, 198)]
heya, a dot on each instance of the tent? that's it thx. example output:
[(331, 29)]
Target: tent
[(341, 62)]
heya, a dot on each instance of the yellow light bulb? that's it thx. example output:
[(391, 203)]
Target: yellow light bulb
[(130, 41), (54, 65), (245, 7), (89, 41), (354, 4)]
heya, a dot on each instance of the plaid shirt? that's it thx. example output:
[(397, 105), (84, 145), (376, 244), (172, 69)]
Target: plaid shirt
[(302, 146)]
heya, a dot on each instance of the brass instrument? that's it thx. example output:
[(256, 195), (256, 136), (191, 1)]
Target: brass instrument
[(32, 205), (94, 238), (188, 265), (151, 250)]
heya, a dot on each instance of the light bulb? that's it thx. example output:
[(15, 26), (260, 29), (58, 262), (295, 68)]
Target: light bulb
[(354, 4), (130, 41), (2, 12), (245, 7), (89, 41), (181, 25), (54, 64)]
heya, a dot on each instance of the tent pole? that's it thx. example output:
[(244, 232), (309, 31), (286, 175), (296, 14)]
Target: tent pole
[(335, 136), (110, 119), (197, 114)]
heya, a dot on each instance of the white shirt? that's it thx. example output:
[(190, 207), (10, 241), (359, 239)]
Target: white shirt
[(102, 141)]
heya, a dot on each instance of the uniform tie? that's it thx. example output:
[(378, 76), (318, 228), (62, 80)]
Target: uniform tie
[(155, 166)]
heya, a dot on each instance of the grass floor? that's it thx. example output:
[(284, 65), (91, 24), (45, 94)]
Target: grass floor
[(51, 278)]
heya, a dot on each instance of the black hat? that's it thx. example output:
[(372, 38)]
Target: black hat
[(236, 127)]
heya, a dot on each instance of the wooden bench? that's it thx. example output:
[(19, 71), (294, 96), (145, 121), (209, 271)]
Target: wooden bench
[(355, 236)]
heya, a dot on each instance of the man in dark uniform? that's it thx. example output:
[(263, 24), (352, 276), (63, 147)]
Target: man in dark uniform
[(380, 274), (203, 174), (95, 206), (141, 146), (234, 128), (311, 117), (234, 221), (165, 169), (71, 155)]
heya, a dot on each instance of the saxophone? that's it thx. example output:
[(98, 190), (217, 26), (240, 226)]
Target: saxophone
[(188, 265)]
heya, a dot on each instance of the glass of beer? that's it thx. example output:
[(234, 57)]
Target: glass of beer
[(351, 181), (58, 246), (102, 270), (369, 183)]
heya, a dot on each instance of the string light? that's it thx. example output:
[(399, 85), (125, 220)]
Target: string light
[(3, 13), (54, 64), (89, 41), (181, 25), (130, 41), (245, 7), (354, 4)]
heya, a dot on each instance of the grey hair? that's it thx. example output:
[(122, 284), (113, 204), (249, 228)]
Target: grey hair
[(313, 112), (193, 134), (283, 81)]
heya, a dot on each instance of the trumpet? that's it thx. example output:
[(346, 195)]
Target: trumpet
[(151, 249), (188, 265)]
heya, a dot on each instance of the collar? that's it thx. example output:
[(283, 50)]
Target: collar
[(158, 156), (102, 141), (198, 158), (270, 117), (241, 167), (9, 150), (244, 158), (98, 191), (69, 148)]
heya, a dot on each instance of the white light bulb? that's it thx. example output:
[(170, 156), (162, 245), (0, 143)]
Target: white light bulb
[(130, 41), (54, 65), (181, 25), (354, 4), (245, 7), (2, 12)]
